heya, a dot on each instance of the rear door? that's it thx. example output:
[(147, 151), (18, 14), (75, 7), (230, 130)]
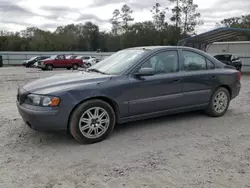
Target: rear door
[(199, 79)]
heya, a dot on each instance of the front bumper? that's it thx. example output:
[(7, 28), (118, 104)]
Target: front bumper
[(41, 66), (42, 119)]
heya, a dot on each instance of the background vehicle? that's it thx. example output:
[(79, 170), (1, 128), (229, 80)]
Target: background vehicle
[(230, 59), (59, 61), (88, 61), (71, 56), (33, 60), (132, 84)]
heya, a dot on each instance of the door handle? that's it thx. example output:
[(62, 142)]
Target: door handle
[(213, 77)]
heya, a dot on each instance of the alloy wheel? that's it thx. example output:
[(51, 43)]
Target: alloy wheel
[(94, 122)]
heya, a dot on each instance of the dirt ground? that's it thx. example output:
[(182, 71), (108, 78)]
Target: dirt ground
[(187, 150)]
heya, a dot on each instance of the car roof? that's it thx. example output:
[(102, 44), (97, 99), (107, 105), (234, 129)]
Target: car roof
[(157, 48), (161, 47), (224, 54)]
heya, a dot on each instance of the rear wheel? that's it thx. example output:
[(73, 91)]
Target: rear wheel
[(219, 102), (92, 121), (49, 67), (75, 66)]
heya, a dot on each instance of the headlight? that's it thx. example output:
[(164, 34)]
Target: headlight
[(41, 100)]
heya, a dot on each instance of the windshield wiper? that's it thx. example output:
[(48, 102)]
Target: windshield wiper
[(96, 70)]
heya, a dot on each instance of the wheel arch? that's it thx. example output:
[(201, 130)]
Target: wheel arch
[(226, 87), (50, 64), (111, 102)]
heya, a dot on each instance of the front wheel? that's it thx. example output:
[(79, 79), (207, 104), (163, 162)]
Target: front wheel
[(219, 102), (49, 67), (92, 121)]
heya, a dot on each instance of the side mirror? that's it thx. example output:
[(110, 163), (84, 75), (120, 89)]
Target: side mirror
[(145, 72)]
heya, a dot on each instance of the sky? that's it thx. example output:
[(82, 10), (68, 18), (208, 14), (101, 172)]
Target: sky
[(16, 15)]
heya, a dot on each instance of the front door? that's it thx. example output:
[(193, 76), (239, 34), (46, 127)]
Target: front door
[(159, 92), (60, 61)]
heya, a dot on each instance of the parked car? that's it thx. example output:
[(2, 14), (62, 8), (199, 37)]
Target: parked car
[(230, 59), (33, 60), (88, 61), (132, 84), (59, 61)]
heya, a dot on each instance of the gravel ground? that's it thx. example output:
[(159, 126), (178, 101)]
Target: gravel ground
[(187, 150)]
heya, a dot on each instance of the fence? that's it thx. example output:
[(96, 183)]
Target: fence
[(17, 58)]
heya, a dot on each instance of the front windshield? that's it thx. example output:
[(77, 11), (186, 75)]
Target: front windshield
[(32, 58), (53, 57), (119, 61), (79, 57)]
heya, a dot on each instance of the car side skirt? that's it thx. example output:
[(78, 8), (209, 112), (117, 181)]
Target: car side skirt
[(162, 113)]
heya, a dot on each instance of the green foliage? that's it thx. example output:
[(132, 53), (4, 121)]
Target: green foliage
[(124, 33), (237, 22)]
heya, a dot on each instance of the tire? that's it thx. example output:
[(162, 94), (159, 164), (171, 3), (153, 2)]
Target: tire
[(68, 68), (81, 112), (49, 67), (88, 65), (223, 103), (75, 66)]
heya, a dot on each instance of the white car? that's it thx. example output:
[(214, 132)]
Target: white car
[(35, 64), (87, 60)]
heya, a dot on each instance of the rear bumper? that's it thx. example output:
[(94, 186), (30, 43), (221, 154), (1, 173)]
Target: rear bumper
[(42, 120), (236, 90)]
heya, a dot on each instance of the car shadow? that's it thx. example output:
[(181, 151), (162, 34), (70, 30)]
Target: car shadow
[(65, 139), (157, 122)]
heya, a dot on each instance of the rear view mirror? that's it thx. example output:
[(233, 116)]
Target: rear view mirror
[(145, 72)]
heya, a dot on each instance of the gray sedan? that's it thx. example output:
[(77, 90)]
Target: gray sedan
[(132, 84)]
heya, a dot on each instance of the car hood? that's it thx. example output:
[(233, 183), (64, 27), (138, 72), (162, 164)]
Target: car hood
[(47, 60), (64, 81)]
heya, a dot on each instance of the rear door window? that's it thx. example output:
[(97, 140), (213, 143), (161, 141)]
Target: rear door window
[(195, 62)]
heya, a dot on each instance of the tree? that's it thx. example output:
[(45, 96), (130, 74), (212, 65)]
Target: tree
[(126, 16), (159, 16), (176, 18), (87, 36), (115, 21), (185, 16), (191, 17), (242, 21), (237, 22)]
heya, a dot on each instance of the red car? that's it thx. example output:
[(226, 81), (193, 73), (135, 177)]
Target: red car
[(59, 61)]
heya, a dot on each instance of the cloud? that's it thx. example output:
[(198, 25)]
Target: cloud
[(49, 14), (84, 17), (50, 26), (10, 7), (98, 3)]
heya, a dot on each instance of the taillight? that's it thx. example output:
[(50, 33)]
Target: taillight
[(239, 75)]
